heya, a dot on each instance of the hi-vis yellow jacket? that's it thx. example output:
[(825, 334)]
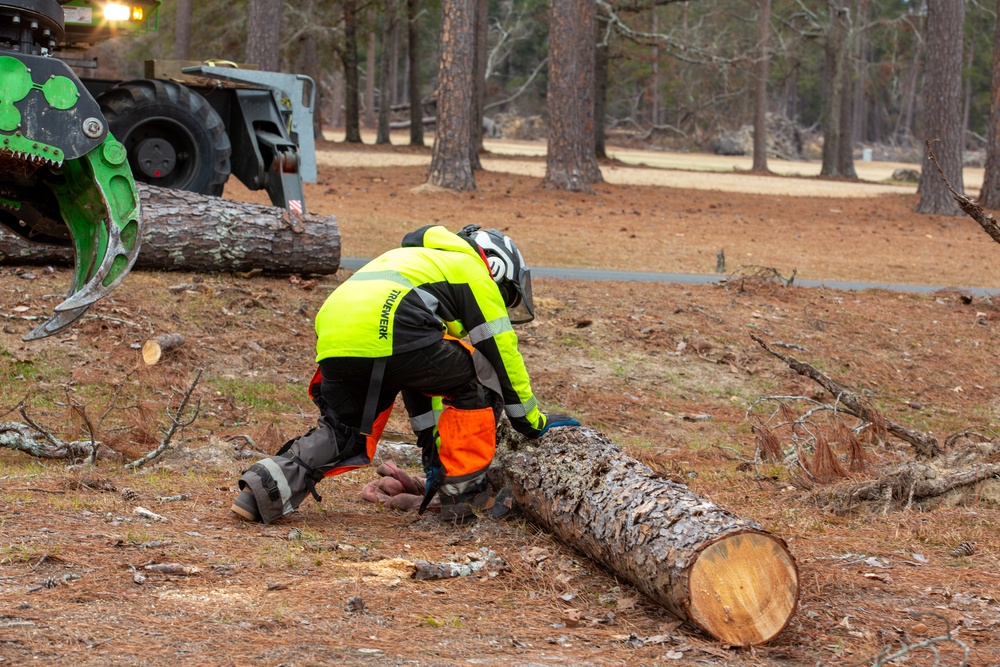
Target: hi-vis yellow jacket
[(409, 297)]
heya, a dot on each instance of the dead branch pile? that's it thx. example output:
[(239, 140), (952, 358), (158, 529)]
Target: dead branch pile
[(968, 464)]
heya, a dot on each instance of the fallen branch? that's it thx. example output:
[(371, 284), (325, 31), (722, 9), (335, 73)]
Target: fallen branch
[(924, 444), (486, 559), (20, 437), (887, 656), (175, 423), (968, 205)]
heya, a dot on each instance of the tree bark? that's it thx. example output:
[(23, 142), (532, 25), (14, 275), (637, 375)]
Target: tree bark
[(185, 231), (450, 166), (719, 572), (990, 195), (601, 62), (482, 33), (413, 55), (571, 163), (350, 59), (182, 30), (370, 70), (837, 87), (760, 86), (943, 106), (264, 34), (385, 83)]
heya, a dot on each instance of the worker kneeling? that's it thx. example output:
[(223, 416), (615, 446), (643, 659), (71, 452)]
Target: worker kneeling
[(395, 327)]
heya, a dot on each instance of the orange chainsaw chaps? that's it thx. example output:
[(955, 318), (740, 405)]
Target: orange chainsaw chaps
[(468, 440)]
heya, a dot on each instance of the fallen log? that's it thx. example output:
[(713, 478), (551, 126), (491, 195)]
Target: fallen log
[(184, 231), (719, 572)]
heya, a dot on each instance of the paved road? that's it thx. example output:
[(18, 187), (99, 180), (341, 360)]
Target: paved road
[(354, 263)]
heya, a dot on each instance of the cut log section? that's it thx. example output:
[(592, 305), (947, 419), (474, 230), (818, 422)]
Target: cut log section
[(185, 231), (153, 349), (717, 571)]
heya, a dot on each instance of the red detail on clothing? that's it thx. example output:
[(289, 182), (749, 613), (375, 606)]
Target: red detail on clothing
[(482, 255), (315, 383), (468, 440), (371, 443)]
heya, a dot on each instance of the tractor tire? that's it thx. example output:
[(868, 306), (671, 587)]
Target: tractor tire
[(173, 136)]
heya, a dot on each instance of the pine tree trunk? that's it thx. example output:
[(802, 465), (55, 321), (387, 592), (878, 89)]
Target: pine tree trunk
[(182, 30), (760, 87), (385, 83), (601, 59), (450, 166), (990, 195), (370, 66), (719, 572), (413, 56), (943, 107), (184, 231), (349, 56), (836, 84), (264, 34), (571, 163), (482, 34)]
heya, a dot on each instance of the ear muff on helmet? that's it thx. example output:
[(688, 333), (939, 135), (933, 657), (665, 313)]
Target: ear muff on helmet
[(511, 297)]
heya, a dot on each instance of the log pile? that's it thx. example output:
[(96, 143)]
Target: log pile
[(717, 571), (184, 231)]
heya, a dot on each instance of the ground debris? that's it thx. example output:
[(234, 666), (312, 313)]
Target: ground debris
[(152, 516), (171, 568), (485, 559)]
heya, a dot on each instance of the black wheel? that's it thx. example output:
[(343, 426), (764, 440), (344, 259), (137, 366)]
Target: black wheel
[(174, 138)]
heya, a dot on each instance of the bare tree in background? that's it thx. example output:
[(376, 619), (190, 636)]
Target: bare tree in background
[(990, 195), (370, 66), (482, 34), (601, 64), (182, 30), (760, 86), (838, 159), (349, 57), (413, 54), (943, 107), (450, 167), (385, 82), (571, 163), (264, 34)]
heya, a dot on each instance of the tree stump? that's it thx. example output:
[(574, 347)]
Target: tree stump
[(185, 231), (719, 572), (153, 349)]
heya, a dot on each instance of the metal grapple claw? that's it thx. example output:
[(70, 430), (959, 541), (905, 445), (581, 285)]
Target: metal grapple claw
[(64, 180), (100, 206)]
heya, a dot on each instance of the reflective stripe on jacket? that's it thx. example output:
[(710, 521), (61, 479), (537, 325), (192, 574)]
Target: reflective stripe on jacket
[(409, 297)]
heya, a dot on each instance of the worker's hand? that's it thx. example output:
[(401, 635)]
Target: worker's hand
[(434, 476), (555, 420)]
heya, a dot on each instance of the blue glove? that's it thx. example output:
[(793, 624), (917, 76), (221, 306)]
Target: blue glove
[(434, 475), (555, 420)]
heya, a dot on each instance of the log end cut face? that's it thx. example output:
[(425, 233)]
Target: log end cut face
[(743, 588)]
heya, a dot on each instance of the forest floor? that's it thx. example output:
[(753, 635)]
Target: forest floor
[(667, 371)]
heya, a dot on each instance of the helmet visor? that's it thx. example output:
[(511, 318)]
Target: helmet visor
[(524, 310)]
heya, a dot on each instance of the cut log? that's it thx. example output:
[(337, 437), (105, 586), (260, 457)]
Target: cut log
[(719, 572), (153, 349), (185, 231)]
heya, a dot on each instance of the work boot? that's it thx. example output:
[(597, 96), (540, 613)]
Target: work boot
[(245, 506)]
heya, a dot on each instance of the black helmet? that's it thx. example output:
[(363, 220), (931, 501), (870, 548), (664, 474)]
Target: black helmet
[(508, 269)]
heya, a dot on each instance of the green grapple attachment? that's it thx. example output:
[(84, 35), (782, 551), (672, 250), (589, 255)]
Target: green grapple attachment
[(64, 180)]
